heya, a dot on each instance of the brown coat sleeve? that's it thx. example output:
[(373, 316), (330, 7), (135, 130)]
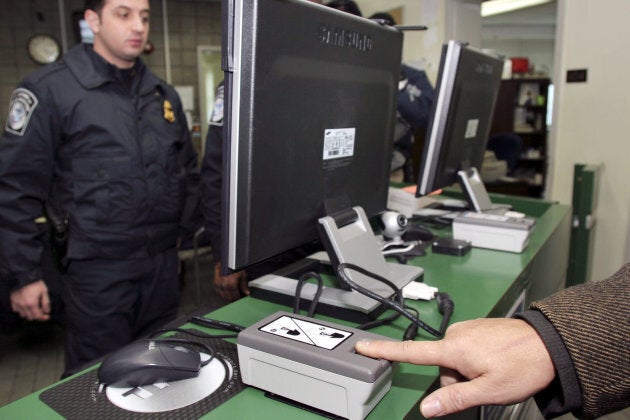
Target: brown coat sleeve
[(593, 321)]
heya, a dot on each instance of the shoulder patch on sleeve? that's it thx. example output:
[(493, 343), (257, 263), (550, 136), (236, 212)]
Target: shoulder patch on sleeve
[(23, 103), (217, 111)]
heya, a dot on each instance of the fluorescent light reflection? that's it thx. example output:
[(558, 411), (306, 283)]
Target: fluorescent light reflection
[(495, 7)]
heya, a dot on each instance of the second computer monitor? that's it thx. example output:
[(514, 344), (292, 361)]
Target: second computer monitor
[(467, 88)]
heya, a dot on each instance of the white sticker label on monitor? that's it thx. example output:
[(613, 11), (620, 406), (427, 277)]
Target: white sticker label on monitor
[(307, 332), (338, 143), (471, 129)]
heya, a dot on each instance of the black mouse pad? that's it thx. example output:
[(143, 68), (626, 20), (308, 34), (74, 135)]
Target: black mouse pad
[(79, 398)]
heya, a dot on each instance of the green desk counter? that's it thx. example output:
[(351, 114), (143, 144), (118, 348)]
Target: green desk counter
[(482, 283)]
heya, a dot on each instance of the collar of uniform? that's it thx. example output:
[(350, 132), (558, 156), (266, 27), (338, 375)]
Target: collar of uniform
[(85, 65), (92, 70)]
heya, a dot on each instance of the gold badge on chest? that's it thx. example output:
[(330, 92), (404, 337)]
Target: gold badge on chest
[(169, 115)]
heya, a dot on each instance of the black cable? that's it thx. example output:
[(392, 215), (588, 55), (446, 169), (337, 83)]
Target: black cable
[(411, 27), (446, 306), (378, 322), (215, 323), (191, 332), (397, 295), (298, 293), (411, 332)]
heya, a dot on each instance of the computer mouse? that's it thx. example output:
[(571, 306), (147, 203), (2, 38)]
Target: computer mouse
[(147, 361)]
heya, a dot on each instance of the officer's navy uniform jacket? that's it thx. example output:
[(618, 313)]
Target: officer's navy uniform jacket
[(413, 110), (211, 196), (117, 163)]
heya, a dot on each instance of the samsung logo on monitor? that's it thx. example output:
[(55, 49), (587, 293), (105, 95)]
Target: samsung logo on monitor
[(339, 37)]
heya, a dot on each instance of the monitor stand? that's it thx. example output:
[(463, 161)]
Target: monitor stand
[(348, 238), (476, 193)]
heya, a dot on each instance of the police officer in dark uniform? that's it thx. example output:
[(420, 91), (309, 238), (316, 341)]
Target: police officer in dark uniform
[(103, 143), (415, 99), (232, 286)]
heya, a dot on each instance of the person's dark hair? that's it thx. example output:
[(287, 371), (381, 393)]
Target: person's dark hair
[(385, 17), (96, 5), (348, 6)]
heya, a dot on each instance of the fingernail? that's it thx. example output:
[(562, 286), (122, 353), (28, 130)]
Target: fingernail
[(364, 342), (431, 407)]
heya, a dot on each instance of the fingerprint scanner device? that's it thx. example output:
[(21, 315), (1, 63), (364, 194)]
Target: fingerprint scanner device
[(313, 362), (494, 231), (348, 238)]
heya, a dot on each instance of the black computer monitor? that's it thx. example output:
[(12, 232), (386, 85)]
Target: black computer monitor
[(311, 96), (467, 88)]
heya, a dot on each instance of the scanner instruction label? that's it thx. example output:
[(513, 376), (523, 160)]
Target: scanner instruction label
[(307, 332)]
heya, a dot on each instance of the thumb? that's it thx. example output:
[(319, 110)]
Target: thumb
[(244, 285), (455, 398), (45, 303)]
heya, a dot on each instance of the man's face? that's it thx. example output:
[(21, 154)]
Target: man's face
[(120, 31)]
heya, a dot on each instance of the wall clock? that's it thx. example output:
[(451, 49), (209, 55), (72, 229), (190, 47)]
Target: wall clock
[(43, 49)]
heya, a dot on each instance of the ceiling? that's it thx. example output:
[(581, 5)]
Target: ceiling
[(536, 22)]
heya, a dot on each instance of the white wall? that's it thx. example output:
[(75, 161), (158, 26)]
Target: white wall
[(463, 21), (421, 49), (446, 19), (529, 32), (592, 120), (540, 52)]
